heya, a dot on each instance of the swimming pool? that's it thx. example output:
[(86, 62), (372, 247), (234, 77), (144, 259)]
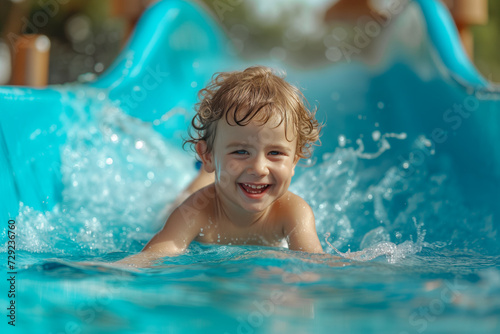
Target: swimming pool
[(406, 189)]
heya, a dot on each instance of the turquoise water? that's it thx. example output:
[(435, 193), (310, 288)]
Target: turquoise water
[(414, 218), (419, 255)]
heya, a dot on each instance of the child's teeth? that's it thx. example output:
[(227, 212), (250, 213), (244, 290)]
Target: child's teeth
[(255, 189), (254, 186)]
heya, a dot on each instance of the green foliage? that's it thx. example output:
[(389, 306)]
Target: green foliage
[(487, 44)]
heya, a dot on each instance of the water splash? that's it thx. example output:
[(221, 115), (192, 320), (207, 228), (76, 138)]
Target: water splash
[(382, 142), (118, 174), (393, 252), (365, 202)]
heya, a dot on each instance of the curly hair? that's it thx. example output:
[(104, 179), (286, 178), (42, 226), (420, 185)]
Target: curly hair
[(255, 94)]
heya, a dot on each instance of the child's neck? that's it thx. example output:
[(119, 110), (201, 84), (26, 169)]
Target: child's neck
[(237, 217)]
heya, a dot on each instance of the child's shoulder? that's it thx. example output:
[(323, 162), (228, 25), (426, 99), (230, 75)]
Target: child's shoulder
[(296, 218), (292, 199), (291, 206), (199, 204)]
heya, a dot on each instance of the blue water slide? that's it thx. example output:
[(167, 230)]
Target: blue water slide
[(172, 53), (426, 87), (174, 50), (422, 83)]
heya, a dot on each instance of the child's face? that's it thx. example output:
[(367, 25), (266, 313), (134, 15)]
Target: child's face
[(253, 164)]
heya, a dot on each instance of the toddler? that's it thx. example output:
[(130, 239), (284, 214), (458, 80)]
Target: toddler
[(250, 130)]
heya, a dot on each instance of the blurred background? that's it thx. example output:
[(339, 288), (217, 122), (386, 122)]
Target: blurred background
[(78, 39)]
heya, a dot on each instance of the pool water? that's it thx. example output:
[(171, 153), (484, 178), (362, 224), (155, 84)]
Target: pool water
[(410, 224), (420, 253)]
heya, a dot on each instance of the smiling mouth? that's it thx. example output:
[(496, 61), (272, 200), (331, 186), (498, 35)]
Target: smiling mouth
[(254, 189)]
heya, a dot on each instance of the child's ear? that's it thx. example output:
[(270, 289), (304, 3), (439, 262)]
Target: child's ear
[(205, 156)]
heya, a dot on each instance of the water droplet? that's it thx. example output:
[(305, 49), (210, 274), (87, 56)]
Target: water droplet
[(342, 140), (35, 134), (139, 144)]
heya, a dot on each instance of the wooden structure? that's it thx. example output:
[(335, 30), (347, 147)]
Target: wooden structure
[(30, 61)]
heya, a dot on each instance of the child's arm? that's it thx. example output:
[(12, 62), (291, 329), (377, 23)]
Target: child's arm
[(300, 226), (179, 231)]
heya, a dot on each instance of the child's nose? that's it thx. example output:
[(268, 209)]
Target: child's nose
[(258, 166)]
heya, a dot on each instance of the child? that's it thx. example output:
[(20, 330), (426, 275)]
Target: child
[(250, 130)]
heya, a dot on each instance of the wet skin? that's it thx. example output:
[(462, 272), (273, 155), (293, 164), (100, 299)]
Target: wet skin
[(249, 202)]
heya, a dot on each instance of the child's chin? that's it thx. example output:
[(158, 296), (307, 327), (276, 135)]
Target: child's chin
[(255, 207)]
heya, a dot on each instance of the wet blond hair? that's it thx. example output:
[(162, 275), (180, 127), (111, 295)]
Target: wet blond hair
[(255, 94)]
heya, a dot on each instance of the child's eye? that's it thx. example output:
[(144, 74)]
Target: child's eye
[(276, 153), (241, 152)]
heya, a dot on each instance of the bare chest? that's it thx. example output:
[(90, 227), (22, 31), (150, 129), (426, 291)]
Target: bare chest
[(265, 234)]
